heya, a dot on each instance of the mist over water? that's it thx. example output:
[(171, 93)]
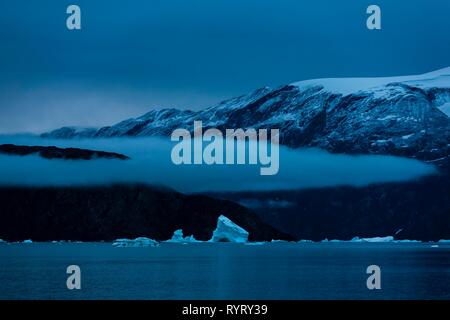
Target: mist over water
[(151, 164)]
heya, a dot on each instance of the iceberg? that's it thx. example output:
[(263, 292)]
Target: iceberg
[(178, 237), (228, 231), (27, 241), (138, 242), (374, 239), (257, 243), (277, 241), (407, 241)]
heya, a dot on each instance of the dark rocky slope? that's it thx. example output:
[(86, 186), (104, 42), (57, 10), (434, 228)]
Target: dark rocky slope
[(417, 210), (108, 213), (59, 153)]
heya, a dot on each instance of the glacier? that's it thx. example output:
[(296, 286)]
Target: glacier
[(228, 231), (138, 242)]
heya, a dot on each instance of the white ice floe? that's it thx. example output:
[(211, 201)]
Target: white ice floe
[(178, 237), (370, 240), (358, 239), (138, 242), (434, 246), (444, 241), (258, 243), (27, 241), (228, 231), (374, 239)]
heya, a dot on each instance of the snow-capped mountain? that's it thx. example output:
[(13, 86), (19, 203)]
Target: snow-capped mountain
[(406, 116)]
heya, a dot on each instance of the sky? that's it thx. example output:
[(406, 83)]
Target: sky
[(133, 56)]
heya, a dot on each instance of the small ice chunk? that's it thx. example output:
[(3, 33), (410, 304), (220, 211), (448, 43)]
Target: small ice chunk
[(228, 231), (27, 241), (378, 239), (444, 241), (258, 243), (179, 237), (374, 239), (138, 242), (434, 246), (2, 241)]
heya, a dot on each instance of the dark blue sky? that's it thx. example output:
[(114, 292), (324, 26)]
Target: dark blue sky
[(131, 56)]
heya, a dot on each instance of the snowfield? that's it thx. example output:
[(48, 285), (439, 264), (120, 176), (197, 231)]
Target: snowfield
[(346, 86)]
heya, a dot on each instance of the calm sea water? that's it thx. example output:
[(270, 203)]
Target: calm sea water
[(225, 271)]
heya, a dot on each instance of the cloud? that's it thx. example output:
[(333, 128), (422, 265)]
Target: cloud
[(151, 164)]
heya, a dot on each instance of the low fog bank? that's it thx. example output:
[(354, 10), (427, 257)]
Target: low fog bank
[(151, 164)]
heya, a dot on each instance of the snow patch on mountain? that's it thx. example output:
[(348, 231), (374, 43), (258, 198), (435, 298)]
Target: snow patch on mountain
[(346, 86), (445, 108)]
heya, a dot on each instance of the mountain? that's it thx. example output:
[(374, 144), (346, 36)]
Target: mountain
[(119, 211), (406, 116), (418, 210)]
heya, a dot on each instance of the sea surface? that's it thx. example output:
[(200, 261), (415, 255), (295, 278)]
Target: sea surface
[(226, 271)]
